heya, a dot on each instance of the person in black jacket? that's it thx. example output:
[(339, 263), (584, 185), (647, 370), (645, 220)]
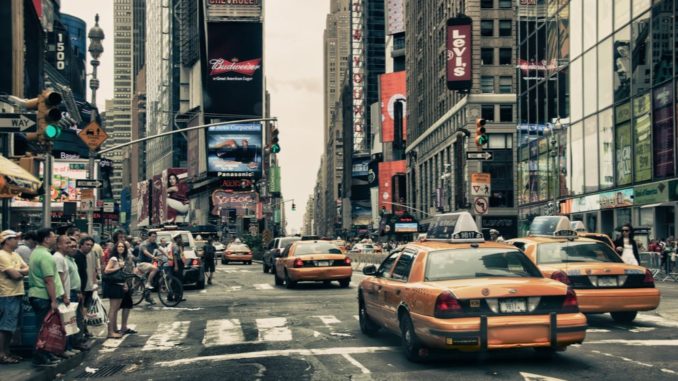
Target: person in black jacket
[(627, 247), (80, 257)]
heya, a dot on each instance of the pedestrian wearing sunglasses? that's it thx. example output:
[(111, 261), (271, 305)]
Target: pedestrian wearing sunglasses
[(627, 247)]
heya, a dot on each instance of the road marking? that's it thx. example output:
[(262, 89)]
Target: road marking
[(273, 329), (669, 371), (167, 336), (637, 343), (111, 345), (328, 320), (223, 332), (356, 317), (236, 288), (594, 330), (538, 377), (625, 359), (263, 286), (642, 329), (356, 363), (279, 353), (658, 320)]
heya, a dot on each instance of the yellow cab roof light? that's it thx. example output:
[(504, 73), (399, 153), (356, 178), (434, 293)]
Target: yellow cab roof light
[(578, 226), (454, 228), (551, 226)]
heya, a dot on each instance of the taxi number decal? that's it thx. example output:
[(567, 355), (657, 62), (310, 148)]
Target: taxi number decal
[(475, 303)]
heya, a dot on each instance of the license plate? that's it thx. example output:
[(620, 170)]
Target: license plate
[(509, 306), (607, 281), (323, 263)]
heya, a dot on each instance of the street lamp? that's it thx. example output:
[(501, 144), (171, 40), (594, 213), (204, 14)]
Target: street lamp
[(96, 36)]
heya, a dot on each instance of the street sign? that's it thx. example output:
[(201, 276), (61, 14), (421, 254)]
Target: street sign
[(480, 184), (481, 205), (109, 207), (17, 123), (479, 155), (86, 205), (88, 184), (93, 135)]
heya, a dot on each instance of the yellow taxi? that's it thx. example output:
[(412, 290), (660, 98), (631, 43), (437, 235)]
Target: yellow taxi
[(579, 227), (603, 282), (314, 261), (237, 252), (455, 291)]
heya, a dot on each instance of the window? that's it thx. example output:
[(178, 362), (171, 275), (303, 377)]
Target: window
[(622, 13), (576, 28), (505, 4), (604, 19), (591, 154), (505, 28), (590, 83), (487, 84), (487, 112), (622, 64), (387, 265), (486, 4), (487, 56), (576, 97), (605, 74), (487, 28), (643, 144), (623, 143), (505, 56), (506, 113), (404, 265), (577, 158), (500, 170), (505, 85)]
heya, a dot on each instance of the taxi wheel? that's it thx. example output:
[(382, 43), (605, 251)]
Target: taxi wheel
[(367, 326), (266, 268), (290, 284), (344, 283), (624, 317), (278, 281), (412, 347)]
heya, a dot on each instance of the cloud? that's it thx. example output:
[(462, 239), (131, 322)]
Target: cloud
[(309, 85)]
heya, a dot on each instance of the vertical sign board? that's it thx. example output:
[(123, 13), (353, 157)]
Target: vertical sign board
[(459, 51), (480, 190), (358, 74), (393, 88)]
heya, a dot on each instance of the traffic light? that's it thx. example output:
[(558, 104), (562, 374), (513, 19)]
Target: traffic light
[(481, 136), (47, 116), (275, 147), (294, 207)]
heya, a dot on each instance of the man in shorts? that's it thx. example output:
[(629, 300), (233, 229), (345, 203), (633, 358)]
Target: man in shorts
[(146, 257), (13, 269)]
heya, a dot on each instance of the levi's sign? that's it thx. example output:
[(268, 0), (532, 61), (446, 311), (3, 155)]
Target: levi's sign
[(459, 50)]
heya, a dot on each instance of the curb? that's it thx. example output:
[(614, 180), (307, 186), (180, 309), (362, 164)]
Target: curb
[(58, 371)]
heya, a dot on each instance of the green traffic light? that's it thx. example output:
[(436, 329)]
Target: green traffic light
[(275, 148), (483, 140), (52, 131)]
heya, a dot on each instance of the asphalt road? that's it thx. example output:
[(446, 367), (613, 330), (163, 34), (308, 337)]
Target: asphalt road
[(245, 328)]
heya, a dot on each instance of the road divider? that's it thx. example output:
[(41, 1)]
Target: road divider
[(359, 261)]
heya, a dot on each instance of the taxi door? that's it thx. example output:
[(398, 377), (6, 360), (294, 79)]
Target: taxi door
[(373, 290), (393, 288), (280, 262)]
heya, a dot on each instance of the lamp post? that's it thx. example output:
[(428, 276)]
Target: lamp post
[(96, 36)]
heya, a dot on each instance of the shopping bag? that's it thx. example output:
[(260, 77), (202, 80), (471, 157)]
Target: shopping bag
[(96, 314), (52, 336), (68, 318)]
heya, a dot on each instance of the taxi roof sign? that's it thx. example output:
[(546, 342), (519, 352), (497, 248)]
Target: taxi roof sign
[(454, 227), (578, 226), (550, 226)]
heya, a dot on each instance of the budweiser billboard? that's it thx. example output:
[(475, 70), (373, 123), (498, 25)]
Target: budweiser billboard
[(459, 50), (221, 9), (393, 89), (387, 170), (233, 79)]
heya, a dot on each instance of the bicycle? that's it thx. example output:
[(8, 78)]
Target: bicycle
[(169, 288)]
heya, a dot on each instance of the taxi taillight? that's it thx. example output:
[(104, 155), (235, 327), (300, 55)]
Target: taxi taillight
[(570, 303), (648, 281), (347, 261), (447, 306), (228, 253), (195, 262), (298, 263), (561, 277)]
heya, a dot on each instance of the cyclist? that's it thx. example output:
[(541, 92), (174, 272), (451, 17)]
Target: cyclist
[(146, 258)]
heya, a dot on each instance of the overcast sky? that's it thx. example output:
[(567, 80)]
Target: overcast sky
[(293, 66)]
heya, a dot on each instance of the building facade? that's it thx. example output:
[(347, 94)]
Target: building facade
[(597, 113), (438, 174)]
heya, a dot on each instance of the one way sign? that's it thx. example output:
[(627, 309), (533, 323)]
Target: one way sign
[(88, 184), (17, 123), (479, 155)]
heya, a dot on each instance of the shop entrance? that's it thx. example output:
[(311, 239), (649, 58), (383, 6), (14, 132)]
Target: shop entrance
[(607, 222), (664, 225)]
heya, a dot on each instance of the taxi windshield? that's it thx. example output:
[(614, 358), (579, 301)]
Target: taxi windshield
[(478, 263), (568, 252), (316, 248)]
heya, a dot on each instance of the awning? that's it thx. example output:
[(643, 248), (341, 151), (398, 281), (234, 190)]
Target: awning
[(18, 180)]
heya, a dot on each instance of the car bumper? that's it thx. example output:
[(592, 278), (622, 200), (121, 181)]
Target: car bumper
[(239, 257), (501, 332), (322, 273), (614, 300), (193, 275)]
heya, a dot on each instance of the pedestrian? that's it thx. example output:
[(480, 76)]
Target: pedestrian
[(125, 256), (495, 236), (209, 254), (26, 245), (114, 290), (45, 288), (63, 246), (178, 258), (87, 273), (13, 269), (75, 341), (627, 247)]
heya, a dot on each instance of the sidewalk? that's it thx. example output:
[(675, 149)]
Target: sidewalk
[(668, 307)]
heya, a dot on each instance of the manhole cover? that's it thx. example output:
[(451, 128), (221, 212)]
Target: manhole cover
[(104, 371)]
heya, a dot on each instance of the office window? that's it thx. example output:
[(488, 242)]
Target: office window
[(487, 28), (487, 56), (506, 113), (505, 56), (505, 4), (505, 28), (505, 85), (487, 84), (486, 3), (487, 112)]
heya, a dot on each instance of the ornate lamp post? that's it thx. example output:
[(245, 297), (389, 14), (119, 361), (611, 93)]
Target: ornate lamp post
[(96, 36)]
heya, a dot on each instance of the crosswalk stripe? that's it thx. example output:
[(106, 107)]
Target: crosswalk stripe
[(167, 336), (328, 319), (263, 286), (111, 345), (223, 332), (273, 329)]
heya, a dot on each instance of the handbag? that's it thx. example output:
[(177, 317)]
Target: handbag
[(52, 336), (96, 313), (115, 277), (68, 318)]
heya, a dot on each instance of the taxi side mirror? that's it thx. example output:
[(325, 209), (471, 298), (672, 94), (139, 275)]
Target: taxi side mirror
[(370, 270), (277, 254)]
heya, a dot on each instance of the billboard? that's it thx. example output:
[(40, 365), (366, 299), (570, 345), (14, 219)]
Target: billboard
[(459, 50), (233, 80), (223, 200), (158, 209), (386, 172), (393, 88), (217, 9), (64, 175), (235, 150), (176, 195), (143, 203)]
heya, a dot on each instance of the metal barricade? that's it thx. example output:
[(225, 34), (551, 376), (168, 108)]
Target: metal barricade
[(652, 261)]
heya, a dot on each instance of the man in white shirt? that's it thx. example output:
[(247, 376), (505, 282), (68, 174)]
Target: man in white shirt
[(63, 243)]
